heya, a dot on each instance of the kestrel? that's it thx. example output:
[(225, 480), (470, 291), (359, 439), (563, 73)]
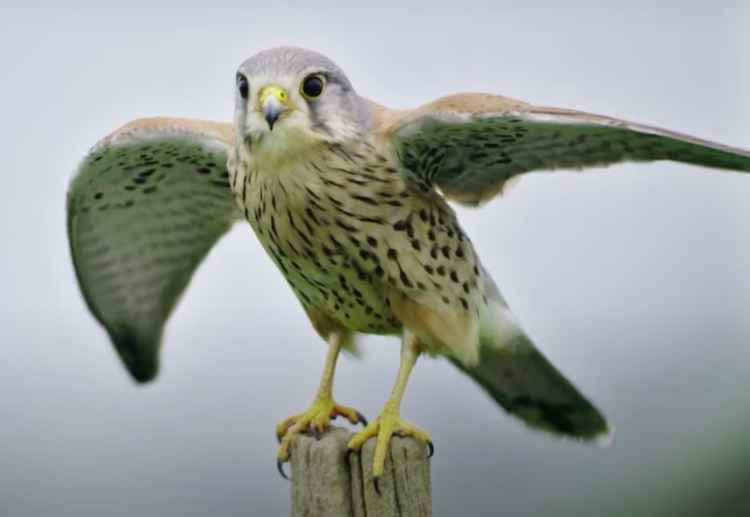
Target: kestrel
[(350, 200)]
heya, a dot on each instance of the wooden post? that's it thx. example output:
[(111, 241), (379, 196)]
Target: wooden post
[(325, 483)]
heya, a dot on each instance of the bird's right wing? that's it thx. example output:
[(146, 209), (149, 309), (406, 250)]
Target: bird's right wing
[(145, 206)]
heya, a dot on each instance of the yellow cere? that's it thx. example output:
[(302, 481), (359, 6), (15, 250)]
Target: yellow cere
[(274, 90)]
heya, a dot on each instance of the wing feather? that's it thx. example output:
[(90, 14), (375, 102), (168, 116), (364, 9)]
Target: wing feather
[(144, 207), (470, 145)]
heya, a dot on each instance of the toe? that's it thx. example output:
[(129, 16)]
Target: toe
[(408, 429), (416, 432), (358, 440), (352, 415), (284, 426), (381, 451), (284, 450)]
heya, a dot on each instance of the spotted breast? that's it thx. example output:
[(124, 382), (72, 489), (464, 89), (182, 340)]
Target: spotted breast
[(350, 236)]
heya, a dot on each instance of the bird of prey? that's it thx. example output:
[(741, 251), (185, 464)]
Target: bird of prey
[(350, 200)]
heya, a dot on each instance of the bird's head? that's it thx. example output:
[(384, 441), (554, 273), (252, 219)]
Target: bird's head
[(289, 98)]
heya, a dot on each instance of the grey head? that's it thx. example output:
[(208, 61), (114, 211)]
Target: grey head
[(289, 97)]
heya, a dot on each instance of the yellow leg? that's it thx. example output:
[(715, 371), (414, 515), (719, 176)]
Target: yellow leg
[(389, 421), (323, 409)]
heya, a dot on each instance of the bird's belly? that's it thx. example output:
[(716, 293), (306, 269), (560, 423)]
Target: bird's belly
[(334, 285), (321, 267)]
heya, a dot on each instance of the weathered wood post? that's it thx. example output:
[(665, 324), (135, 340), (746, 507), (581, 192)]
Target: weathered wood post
[(327, 483)]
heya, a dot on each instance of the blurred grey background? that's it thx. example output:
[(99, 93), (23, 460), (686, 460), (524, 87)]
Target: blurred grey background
[(636, 282)]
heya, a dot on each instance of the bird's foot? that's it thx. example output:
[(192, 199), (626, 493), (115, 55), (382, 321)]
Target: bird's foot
[(315, 420), (389, 423)]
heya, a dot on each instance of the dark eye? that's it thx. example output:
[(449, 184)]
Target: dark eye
[(312, 86), (242, 85)]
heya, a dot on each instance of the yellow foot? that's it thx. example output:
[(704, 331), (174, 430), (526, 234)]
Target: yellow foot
[(316, 419), (389, 423)]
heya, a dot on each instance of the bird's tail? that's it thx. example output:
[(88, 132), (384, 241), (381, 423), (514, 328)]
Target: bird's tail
[(519, 378)]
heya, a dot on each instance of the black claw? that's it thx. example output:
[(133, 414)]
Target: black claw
[(376, 482), (431, 447), (348, 456), (362, 419), (280, 466), (316, 433)]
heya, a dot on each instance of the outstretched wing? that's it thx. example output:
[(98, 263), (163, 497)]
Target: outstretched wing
[(469, 145), (145, 206)]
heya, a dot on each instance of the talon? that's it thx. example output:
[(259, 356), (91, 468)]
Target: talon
[(361, 418), (376, 482), (348, 455), (431, 447), (316, 433), (280, 467)]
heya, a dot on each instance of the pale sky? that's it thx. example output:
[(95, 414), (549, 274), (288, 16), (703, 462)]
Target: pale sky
[(635, 281)]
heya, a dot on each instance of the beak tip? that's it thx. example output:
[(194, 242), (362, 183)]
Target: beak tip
[(271, 119)]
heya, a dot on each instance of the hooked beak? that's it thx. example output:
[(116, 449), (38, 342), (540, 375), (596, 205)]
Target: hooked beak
[(273, 101)]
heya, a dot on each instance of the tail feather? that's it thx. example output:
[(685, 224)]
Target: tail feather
[(526, 384)]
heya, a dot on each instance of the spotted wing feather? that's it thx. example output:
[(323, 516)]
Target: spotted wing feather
[(470, 145), (144, 207)]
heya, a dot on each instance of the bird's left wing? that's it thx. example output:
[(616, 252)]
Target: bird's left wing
[(144, 207), (469, 145)]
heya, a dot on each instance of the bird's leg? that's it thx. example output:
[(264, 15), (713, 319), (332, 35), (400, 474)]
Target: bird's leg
[(389, 421), (323, 409)]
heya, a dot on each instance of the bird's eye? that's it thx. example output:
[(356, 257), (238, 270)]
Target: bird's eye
[(312, 86), (242, 85)]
